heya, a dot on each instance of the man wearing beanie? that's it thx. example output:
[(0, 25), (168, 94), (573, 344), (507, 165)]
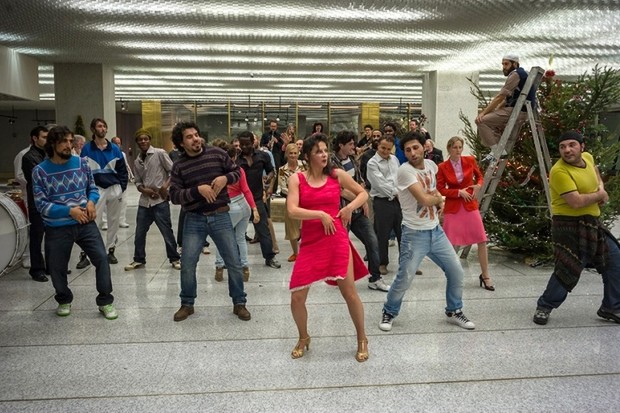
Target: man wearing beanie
[(492, 120), (579, 237), (152, 169)]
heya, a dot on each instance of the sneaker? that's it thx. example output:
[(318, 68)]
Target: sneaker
[(219, 274), (273, 263), (240, 311), (111, 258), (176, 264), (379, 285), (392, 243), (541, 316), (183, 312), (383, 269), (609, 314), (460, 320), (205, 250), (104, 227), (63, 310), (109, 311), (124, 225), (246, 274), (134, 265), (386, 321), (489, 158), (83, 263)]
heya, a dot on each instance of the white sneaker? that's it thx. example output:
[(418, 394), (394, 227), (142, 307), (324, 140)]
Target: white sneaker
[(176, 265), (379, 285), (392, 243), (124, 225), (109, 311), (104, 227), (460, 320), (134, 265), (386, 322), (63, 310)]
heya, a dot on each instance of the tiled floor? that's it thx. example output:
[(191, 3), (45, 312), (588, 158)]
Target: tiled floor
[(143, 361)]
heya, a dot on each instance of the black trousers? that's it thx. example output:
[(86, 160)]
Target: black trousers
[(388, 218)]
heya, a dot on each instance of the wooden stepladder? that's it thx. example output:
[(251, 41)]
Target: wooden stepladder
[(495, 169)]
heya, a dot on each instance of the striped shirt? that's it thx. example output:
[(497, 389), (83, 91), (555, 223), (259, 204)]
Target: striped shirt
[(190, 172)]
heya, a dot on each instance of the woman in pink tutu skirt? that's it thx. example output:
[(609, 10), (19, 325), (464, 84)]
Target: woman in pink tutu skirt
[(459, 179), (325, 252)]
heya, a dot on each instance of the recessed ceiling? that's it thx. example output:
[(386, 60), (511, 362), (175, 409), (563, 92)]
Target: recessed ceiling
[(340, 51)]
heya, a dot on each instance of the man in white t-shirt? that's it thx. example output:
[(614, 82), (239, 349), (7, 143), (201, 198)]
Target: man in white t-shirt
[(422, 235)]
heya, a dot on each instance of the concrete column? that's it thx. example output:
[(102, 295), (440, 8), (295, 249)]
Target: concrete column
[(87, 90), (444, 96), (19, 74)]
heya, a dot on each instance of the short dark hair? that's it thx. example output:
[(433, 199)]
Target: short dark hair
[(34, 133), (368, 126), (309, 143), (55, 135), (387, 138), (93, 123), (412, 136), (342, 138), (177, 133), (391, 125), (246, 134)]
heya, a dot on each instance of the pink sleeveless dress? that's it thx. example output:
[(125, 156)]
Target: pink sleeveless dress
[(323, 257)]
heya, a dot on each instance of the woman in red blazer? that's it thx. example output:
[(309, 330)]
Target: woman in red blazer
[(459, 179)]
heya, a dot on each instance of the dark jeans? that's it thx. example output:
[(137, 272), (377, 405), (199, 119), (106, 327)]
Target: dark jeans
[(388, 218), (36, 232), (160, 214), (555, 293), (362, 228), (262, 231), (180, 230), (59, 242)]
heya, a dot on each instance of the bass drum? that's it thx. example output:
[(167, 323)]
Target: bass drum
[(13, 233)]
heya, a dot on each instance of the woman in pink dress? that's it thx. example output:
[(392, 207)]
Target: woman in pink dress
[(459, 179), (325, 252)]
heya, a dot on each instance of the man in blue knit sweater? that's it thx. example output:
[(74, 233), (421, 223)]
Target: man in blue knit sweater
[(65, 195)]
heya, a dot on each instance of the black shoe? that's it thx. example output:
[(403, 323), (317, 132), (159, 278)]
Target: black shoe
[(40, 278), (541, 316), (83, 263), (111, 258), (273, 263), (608, 315)]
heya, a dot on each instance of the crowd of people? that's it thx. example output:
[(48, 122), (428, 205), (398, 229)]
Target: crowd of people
[(384, 189)]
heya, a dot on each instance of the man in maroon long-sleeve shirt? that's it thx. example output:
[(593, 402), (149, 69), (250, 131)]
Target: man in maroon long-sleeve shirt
[(198, 183)]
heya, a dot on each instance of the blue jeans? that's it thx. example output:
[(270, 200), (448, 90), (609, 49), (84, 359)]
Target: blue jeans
[(362, 228), (195, 231), (59, 242), (240, 213), (160, 214), (415, 245), (555, 293)]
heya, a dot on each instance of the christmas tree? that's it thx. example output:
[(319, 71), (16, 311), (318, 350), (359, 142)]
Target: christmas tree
[(79, 126), (518, 219)]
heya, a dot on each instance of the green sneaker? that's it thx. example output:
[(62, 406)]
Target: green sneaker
[(63, 310), (109, 311)]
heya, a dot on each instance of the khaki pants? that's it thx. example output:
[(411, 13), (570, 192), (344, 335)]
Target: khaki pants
[(492, 125)]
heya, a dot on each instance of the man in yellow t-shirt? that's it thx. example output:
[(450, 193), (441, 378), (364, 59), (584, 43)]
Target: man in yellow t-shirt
[(579, 238)]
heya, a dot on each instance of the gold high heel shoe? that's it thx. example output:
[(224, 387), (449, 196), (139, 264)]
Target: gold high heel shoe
[(362, 350), (298, 351)]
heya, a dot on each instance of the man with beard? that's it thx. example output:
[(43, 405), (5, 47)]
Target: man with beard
[(65, 195), (109, 169), (579, 237), (422, 235), (492, 120), (152, 169), (198, 183)]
